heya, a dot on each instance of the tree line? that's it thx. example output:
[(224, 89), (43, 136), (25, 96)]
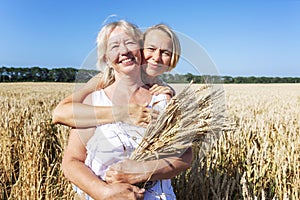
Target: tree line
[(38, 74)]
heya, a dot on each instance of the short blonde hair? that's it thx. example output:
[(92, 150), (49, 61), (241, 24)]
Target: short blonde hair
[(102, 39), (176, 48)]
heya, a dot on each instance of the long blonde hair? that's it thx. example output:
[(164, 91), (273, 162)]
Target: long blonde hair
[(102, 39)]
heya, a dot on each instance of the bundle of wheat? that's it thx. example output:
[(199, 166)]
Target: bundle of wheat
[(191, 116)]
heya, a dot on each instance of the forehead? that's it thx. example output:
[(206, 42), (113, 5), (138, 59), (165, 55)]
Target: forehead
[(119, 33), (158, 39)]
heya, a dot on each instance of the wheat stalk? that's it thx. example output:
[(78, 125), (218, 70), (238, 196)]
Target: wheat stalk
[(191, 116)]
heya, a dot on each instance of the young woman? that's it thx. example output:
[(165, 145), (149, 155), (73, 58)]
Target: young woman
[(161, 53), (110, 143)]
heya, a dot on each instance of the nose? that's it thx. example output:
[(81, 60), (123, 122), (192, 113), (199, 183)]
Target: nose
[(157, 55), (123, 49)]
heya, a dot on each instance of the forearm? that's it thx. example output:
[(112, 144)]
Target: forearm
[(73, 163), (130, 171), (71, 111), (170, 167), (80, 175), (82, 115)]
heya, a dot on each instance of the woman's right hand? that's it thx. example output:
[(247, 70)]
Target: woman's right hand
[(135, 114), (122, 191)]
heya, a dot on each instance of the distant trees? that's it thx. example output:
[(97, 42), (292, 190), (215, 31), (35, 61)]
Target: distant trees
[(37, 74)]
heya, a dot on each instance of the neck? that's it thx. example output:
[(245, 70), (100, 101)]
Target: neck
[(150, 80), (124, 87)]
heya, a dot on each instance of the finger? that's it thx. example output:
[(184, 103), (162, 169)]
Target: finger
[(142, 124), (139, 195), (161, 90), (153, 87), (145, 104), (137, 190), (154, 91)]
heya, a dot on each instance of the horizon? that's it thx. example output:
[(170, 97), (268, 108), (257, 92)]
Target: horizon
[(221, 75)]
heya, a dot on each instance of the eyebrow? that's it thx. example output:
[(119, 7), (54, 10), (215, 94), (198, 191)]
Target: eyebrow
[(112, 41), (151, 45)]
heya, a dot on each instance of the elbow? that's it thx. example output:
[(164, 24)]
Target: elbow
[(66, 163), (64, 166), (59, 117), (56, 116)]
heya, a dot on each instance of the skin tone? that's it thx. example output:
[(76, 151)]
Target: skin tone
[(157, 54), (122, 175)]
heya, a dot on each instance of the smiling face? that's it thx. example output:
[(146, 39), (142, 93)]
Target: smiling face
[(123, 52), (157, 53)]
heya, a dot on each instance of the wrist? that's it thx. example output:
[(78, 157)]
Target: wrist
[(117, 113)]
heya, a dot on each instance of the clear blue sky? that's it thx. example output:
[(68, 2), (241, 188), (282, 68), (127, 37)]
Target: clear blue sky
[(254, 37)]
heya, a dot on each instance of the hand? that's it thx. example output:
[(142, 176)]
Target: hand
[(128, 171), (122, 191), (158, 89), (135, 114)]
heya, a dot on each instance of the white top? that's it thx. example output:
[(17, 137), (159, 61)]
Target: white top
[(114, 142)]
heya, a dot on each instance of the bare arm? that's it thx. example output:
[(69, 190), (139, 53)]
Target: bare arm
[(72, 112), (78, 173), (130, 171)]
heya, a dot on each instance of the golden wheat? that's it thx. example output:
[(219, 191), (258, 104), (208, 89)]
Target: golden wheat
[(260, 159)]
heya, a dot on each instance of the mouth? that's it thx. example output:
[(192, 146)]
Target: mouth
[(128, 61), (154, 65)]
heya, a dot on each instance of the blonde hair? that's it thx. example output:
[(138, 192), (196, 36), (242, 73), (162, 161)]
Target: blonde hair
[(102, 39), (176, 48)]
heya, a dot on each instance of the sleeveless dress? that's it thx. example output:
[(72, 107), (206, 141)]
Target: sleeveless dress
[(114, 142)]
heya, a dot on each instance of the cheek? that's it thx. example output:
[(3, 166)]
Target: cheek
[(167, 61), (147, 55), (111, 56)]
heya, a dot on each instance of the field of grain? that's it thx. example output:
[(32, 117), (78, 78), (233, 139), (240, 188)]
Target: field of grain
[(260, 159)]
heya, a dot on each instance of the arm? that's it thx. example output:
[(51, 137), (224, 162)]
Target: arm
[(78, 173), (133, 172), (72, 112)]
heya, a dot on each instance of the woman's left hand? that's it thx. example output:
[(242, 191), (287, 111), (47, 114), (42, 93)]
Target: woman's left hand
[(158, 89), (127, 171)]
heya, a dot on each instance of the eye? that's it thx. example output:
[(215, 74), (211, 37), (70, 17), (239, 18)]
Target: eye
[(114, 46), (166, 53), (150, 49)]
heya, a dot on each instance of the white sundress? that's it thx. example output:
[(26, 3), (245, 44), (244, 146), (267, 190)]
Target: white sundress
[(114, 142)]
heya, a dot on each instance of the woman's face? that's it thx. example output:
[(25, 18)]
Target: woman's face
[(157, 53), (123, 51)]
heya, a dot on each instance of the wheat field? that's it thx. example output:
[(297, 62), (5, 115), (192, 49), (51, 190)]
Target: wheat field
[(259, 159)]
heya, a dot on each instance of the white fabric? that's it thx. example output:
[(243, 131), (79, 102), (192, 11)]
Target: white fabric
[(114, 142)]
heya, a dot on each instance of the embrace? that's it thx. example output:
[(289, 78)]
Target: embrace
[(108, 116)]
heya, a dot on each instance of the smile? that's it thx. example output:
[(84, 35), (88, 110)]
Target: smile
[(154, 65), (128, 61)]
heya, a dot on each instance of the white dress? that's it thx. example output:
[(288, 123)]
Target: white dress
[(114, 142)]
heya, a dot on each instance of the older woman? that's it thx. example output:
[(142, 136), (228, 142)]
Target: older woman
[(119, 49)]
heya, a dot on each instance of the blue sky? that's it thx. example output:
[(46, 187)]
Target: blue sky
[(240, 38)]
